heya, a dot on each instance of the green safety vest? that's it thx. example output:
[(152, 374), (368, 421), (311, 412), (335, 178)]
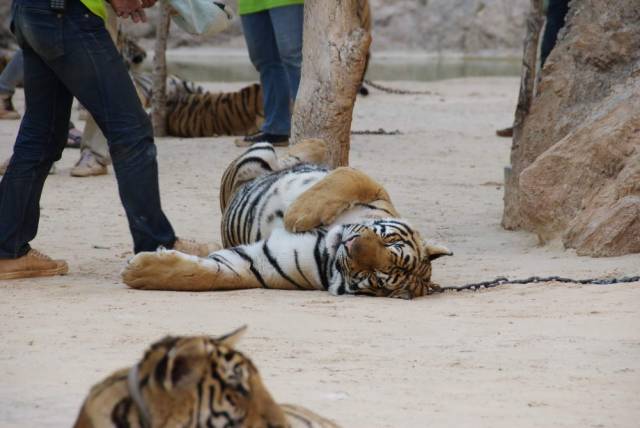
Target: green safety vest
[(252, 6), (97, 7)]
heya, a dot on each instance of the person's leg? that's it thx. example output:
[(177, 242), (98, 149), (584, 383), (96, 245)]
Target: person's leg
[(94, 72), (40, 141), (11, 76), (94, 148), (556, 13), (263, 52), (287, 24)]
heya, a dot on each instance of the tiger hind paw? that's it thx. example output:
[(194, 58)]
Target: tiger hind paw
[(168, 270)]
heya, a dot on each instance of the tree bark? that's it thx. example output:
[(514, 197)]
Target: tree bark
[(334, 56), (535, 21), (159, 94)]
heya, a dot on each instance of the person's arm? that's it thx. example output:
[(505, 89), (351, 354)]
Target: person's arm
[(133, 9)]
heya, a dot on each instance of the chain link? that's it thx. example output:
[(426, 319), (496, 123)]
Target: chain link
[(379, 131), (501, 280), (397, 91)]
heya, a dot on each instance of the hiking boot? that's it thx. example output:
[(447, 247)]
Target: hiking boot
[(7, 111), (88, 165), (276, 140), (506, 132), (194, 248), (31, 265)]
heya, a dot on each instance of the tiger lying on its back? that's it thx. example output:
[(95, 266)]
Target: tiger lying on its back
[(293, 225), (191, 382)]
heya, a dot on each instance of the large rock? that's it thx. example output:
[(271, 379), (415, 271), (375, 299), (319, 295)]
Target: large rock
[(576, 169)]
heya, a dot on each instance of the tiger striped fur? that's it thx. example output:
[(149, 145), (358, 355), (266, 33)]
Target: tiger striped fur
[(194, 112), (212, 114), (191, 382), (292, 225)]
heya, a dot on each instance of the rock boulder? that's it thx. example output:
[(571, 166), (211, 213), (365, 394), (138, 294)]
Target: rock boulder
[(576, 168)]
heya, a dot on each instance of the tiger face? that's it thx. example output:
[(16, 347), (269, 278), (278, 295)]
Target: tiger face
[(385, 257), (189, 382)]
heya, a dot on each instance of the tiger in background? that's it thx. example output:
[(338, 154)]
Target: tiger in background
[(289, 223), (193, 112), (191, 381)]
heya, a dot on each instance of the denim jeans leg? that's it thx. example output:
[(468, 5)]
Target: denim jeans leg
[(263, 52), (76, 49), (288, 22), (96, 74), (13, 74), (556, 13), (41, 139)]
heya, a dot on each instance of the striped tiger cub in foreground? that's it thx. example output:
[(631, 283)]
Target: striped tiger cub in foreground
[(194, 381), (292, 224)]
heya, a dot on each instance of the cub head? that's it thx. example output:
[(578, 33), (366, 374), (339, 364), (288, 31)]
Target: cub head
[(201, 381), (385, 257), (132, 53)]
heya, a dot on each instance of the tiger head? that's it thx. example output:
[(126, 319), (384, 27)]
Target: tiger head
[(132, 53), (386, 258), (201, 381)]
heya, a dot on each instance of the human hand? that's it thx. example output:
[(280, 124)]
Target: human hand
[(148, 3), (130, 9)]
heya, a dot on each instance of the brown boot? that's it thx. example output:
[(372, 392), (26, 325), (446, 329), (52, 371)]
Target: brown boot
[(194, 248), (32, 264), (6, 108), (506, 132)]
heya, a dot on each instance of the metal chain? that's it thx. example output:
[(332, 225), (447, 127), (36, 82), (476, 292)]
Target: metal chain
[(534, 279), (390, 90), (379, 131)]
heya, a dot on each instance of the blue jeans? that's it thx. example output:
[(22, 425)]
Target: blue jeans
[(67, 55), (556, 13), (12, 74), (274, 40)]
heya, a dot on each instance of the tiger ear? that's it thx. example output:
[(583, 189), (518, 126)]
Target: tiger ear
[(433, 251), (186, 363), (231, 339)]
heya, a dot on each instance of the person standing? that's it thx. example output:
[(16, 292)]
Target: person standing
[(69, 53), (10, 77), (273, 32), (556, 12)]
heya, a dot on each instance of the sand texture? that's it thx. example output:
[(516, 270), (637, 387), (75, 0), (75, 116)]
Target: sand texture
[(513, 356)]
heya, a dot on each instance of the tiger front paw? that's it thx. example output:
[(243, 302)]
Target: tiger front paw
[(305, 215)]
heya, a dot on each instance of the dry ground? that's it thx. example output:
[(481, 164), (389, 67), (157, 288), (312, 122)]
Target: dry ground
[(523, 356)]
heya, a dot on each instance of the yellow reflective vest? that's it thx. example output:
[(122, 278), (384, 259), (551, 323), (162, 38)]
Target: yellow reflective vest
[(97, 7)]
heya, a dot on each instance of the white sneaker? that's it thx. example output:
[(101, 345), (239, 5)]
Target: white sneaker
[(88, 165)]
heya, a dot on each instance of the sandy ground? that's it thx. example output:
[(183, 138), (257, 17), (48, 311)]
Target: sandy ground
[(523, 356)]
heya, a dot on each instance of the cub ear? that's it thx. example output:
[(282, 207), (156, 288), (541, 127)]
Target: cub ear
[(433, 251), (231, 339), (186, 363)]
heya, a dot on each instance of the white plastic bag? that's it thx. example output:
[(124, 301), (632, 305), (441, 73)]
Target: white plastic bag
[(201, 17)]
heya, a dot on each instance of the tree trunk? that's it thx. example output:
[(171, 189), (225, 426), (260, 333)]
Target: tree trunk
[(525, 97), (159, 94), (334, 56)]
